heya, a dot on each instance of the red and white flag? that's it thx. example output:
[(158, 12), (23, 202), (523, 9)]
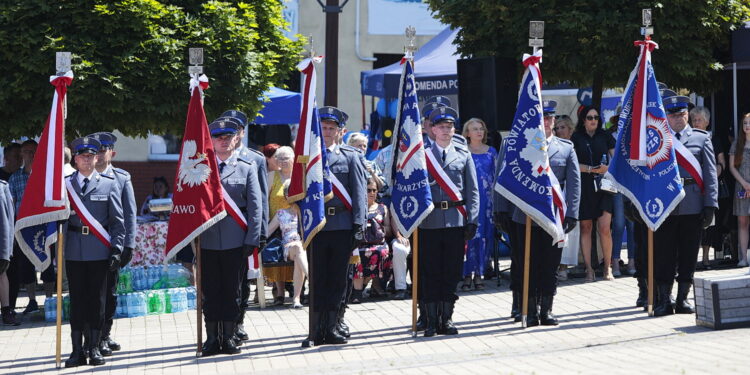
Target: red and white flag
[(44, 201), (197, 200)]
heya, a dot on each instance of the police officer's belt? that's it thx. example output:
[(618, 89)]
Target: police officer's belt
[(84, 230), (688, 181), (444, 205), (333, 210)]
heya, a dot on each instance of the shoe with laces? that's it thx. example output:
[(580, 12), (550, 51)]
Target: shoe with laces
[(32, 307)]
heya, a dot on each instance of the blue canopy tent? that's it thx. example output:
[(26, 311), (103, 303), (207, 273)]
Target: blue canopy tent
[(283, 107), (434, 70)]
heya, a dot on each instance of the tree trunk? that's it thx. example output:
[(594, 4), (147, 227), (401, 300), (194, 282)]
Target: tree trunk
[(596, 91)]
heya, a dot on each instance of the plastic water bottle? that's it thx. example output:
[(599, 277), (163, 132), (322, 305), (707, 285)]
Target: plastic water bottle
[(127, 280), (50, 309), (66, 307), (182, 293), (167, 293), (142, 304), (191, 296), (141, 275)]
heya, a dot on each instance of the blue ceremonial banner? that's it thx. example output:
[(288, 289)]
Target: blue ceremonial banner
[(37, 240), (644, 166), (309, 186), (526, 178), (411, 200)]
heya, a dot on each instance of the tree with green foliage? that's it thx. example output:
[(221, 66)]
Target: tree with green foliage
[(591, 42), (130, 61)]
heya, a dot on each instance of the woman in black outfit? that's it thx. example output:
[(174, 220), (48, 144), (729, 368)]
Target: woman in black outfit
[(594, 146)]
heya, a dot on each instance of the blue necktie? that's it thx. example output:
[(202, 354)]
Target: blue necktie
[(221, 167), (85, 184)]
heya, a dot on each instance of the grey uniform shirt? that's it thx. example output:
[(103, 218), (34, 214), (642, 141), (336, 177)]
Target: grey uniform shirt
[(698, 142), (6, 221), (240, 179), (459, 166), (123, 179), (259, 161), (345, 162), (103, 199)]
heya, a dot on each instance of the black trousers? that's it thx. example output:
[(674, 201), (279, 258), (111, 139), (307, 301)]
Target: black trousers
[(516, 257), (87, 282), (220, 281), (441, 255), (13, 281), (330, 264), (244, 292), (676, 244), (640, 232), (544, 258), (111, 304)]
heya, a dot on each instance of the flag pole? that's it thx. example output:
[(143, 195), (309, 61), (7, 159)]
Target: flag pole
[(650, 272), (62, 66), (526, 259), (415, 282), (260, 282), (60, 261), (198, 295)]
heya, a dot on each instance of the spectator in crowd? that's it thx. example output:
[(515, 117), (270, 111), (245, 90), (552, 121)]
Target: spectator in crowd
[(593, 145), (475, 132), (712, 236), (287, 221), (359, 141), (564, 127), (159, 190), (26, 270), (268, 151), (11, 160), (6, 246), (375, 263), (739, 166), (283, 158)]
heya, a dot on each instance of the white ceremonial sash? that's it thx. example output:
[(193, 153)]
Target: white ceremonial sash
[(86, 217), (687, 160), (442, 179), (233, 210)]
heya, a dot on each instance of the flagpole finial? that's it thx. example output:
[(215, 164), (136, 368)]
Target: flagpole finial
[(62, 63), (536, 34), (411, 36), (647, 30), (196, 61), (311, 46)]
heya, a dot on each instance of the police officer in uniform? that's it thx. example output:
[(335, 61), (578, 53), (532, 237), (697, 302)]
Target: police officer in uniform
[(444, 232), (225, 246), (6, 235), (259, 161), (677, 241), (88, 259), (343, 231), (122, 177), (545, 256)]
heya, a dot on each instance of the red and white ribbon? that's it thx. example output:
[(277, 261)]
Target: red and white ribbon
[(339, 191), (86, 217), (253, 263), (445, 183), (687, 161), (233, 210)]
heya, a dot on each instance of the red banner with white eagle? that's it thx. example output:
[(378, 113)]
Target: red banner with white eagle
[(197, 200)]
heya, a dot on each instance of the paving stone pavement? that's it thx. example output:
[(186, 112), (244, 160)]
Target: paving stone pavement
[(601, 332)]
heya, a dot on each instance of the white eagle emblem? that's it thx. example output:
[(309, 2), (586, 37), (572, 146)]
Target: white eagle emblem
[(535, 151), (192, 169)]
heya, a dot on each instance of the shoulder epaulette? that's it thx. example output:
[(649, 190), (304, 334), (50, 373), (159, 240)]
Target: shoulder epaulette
[(566, 141), (348, 148), (248, 162), (700, 131), (107, 176), (3, 182), (459, 139)]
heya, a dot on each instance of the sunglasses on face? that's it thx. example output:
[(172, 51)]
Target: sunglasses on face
[(592, 118), (558, 128), (372, 190)]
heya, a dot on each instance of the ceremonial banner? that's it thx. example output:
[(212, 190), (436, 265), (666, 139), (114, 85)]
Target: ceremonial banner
[(411, 200), (308, 187), (526, 178), (197, 200), (45, 201), (644, 166)]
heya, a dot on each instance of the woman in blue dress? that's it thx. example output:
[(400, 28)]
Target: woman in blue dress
[(484, 157)]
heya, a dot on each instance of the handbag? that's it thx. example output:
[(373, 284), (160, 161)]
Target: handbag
[(604, 184), (273, 252)]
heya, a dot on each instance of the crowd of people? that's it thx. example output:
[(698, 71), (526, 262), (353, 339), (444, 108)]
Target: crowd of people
[(361, 245)]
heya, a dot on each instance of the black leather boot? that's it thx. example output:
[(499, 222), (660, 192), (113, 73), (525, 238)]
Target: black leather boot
[(341, 327), (319, 328), (211, 346), (446, 319), (642, 300), (104, 348), (431, 320), (239, 328), (663, 304), (421, 319), (682, 304), (332, 336), (532, 316), (515, 310), (77, 358), (545, 311), (95, 356), (228, 345)]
